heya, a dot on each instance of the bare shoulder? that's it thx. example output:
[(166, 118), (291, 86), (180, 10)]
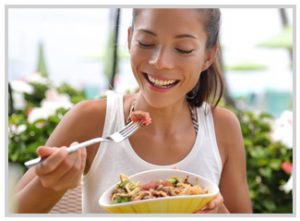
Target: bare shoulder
[(81, 122), (228, 132), (225, 119), (89, 109)]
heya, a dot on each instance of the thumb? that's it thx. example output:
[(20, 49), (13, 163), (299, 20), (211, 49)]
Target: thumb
[(45, 151)]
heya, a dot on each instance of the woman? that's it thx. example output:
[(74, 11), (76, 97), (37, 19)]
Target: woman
[(173, 55)]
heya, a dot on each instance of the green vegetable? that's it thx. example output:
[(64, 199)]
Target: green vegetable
[(121, 199), (123, 184), (173, 180)]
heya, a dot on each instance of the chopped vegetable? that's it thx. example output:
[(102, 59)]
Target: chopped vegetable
[(127, 190)]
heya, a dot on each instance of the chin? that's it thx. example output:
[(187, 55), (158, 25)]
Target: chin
[(156, 101)]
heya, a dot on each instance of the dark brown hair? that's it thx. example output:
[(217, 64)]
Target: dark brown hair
[(209, 87)]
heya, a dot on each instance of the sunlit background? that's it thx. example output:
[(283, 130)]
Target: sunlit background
[(60, 56), (75, 43)]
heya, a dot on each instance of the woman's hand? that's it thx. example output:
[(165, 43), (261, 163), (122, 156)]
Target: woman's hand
[(214, 206), (60, 170)]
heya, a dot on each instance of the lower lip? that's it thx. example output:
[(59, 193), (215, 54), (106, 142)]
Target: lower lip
[(158, 89)]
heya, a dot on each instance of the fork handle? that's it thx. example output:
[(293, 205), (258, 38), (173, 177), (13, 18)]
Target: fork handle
[(76, 147), (70, 150)]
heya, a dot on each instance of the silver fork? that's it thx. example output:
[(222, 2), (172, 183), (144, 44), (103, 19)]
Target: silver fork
[(118, 136)]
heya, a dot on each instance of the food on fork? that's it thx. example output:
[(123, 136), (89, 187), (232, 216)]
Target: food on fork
[(127, 191), (140, 117)]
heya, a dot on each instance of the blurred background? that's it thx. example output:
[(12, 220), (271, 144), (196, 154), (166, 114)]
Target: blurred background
[(60, 56)]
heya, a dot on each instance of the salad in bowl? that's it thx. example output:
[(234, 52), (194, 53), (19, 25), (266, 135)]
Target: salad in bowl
[(159, 191)]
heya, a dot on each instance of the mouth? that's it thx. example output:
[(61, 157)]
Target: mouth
[(160, 83)]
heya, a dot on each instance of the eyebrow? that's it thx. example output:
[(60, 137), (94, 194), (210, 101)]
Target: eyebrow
[(177, 36)]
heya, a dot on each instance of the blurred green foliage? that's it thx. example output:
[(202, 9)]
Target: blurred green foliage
[(22, 145), (34, 99), (75, 95), (284, 39), (264, 160), (23, 142), (41, 65), (245, 66)]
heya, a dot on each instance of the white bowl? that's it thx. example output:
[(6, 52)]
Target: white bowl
[(174, 204)]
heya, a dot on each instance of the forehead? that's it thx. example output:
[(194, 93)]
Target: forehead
[(173, 21)]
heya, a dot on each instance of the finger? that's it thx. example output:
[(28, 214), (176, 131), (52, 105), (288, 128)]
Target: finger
[(51, 162), (211, 205), (69, 181), (51, 179), (217, 201), (45, 151), (200, 210), (78, 157), (72, 178), (208, 211), (83, 155)]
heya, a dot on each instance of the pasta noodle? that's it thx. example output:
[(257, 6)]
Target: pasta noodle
[(127, 191)]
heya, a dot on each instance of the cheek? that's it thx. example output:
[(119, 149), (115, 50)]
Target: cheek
[(192, 66), (134, 59), (193, 71), (137, 60), (137, 56), (193, 80)]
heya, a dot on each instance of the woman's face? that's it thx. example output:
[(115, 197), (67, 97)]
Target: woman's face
[(167, 48)]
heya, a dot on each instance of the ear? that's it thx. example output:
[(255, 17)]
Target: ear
[(129, 36), (209, 57)]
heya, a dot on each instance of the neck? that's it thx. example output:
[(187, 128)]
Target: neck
[(166, 119)]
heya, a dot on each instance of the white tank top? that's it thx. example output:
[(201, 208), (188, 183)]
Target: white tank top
[(112, 159)]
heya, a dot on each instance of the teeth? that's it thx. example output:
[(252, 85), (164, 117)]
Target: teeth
[(160, 82)]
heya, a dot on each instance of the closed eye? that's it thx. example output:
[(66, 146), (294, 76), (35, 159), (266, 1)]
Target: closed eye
[(143, 45), (184, 51)]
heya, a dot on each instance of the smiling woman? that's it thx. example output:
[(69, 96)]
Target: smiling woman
[(172, 54), (164, 47)]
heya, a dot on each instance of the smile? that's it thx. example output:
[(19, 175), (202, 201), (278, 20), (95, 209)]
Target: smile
[(159, 83)]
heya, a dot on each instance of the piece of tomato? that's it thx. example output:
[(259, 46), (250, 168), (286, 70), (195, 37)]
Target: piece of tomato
[(150, 185), (166, 183)]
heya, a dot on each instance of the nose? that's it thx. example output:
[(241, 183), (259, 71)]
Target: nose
[(162, 59)]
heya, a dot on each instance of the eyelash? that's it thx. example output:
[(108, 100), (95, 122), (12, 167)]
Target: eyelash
[(147, 46), (184, 51)]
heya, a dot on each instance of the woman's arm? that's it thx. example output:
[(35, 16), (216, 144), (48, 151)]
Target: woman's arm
[(42, 186), (233, 183)]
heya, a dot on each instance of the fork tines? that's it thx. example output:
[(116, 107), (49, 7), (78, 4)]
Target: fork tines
[(130, 129)]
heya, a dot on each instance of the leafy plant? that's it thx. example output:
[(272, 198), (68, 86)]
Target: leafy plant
[(264, 161), (75, 95), (24, 136), (34, 99), (23, 144)]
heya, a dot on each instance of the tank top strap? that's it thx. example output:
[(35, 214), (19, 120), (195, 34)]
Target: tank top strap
[(206, 124), (114, 118)]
